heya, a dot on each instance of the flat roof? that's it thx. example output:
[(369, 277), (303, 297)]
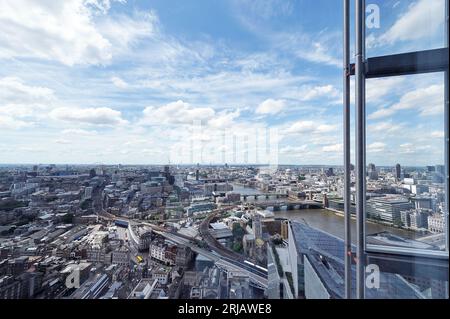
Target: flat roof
[(218, 226)]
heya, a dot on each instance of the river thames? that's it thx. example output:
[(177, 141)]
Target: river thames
[(324, 219)]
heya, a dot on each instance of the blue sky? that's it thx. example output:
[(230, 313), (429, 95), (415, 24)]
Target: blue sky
[(115, 81)]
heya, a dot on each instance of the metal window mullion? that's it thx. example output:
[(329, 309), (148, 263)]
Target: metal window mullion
[(446, 130), (347, 145), (446, 135), (360, 150)]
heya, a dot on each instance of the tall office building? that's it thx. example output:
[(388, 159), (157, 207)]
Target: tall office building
[(330, 172), (372, 172), (439, 174), (398, 171), (257, 226)]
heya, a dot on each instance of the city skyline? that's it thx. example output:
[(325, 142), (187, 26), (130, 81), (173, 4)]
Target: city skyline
[(123, 81), (237, 150)]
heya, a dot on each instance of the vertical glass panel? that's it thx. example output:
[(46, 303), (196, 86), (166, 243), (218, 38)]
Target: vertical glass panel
[(398, 26), (405, 185), (405, 156)]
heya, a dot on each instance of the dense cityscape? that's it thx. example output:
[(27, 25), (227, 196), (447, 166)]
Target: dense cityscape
[(205, 231), (223, 158)]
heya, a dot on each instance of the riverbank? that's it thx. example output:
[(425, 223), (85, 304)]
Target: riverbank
[(370, 221), (328, 220)]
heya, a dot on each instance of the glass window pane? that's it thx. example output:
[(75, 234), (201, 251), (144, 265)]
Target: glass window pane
[(395, 26), (405, 156), (405, 185)]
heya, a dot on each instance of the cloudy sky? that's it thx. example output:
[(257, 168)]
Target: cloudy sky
[(123, 81)]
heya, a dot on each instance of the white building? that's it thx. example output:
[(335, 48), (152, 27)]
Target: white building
[(436, 223), (144, 289)]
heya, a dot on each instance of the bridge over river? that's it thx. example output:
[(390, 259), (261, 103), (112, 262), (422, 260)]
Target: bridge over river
[(288, 205)]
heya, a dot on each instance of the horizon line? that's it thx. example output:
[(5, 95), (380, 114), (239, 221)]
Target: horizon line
[(203, 164)]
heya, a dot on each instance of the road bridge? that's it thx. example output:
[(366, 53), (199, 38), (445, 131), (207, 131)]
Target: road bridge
[(289, 204)]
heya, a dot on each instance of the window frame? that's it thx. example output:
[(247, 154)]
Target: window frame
[(409, 63)]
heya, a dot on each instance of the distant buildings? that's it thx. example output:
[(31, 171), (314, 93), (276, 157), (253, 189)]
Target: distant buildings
[(53, 221), (200, 206), (209, 188), (388, 208)]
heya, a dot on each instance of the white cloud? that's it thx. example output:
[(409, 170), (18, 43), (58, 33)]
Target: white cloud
[(224, 119), (310, 127), (261, 10), (381, 113), (387, 127), (62, 141), (428, 101), (177, 112), (316, 48), (70, 31), (319, 53), (334, 148), (78, 132), (422, 19), (8, 122), (32, 149), (312, 93), (301, 127), (53, 30), (326, 128), (118, 82), (376, 147), (96, 116), (407, 148), (14, 90), (22, 104), (437, 134), (125, 31), (378, 89), (293, 150), (271, 106), (102, 5)]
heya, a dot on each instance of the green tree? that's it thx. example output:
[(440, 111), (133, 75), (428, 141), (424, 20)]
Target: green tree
[(237, 246)]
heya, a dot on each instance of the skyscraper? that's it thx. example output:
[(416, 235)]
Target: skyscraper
[(439, 174), (372, 172), (398, 171)]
